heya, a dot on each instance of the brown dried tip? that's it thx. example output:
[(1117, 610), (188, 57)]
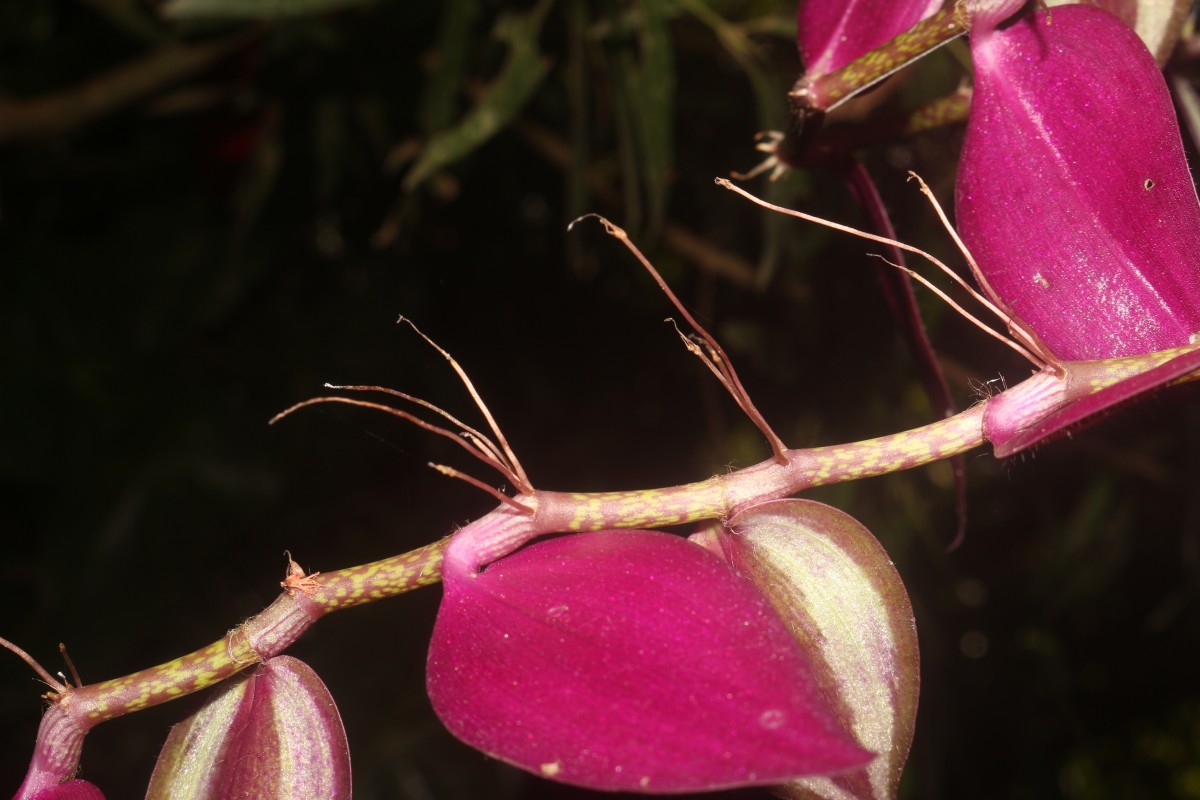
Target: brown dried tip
[(498, 456), (521, 481), (297, 580), (1027, 348), (712, 355), (59, 687), (62, 648)]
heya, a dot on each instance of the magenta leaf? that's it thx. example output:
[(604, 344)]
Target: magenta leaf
[(271, 735), (832, 33), (1157, 22), (1073, 191), (836, 589), (628, 660)]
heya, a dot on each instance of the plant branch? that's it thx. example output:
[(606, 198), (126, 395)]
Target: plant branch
[(75, 710), (823, 93), (65, 111)]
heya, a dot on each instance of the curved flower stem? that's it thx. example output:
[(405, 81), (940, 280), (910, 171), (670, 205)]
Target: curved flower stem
[(75, 710), (264, 635)]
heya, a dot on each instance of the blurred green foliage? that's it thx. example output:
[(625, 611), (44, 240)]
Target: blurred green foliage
[(241, 207)]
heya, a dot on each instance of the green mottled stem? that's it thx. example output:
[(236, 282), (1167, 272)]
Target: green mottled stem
[(74, 712), (724, 495), (263, 636), (1021, 407), (822, 93), (307, 599), (814, 95)]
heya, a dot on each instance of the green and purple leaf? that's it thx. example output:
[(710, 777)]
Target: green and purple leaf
[(1073, 191), (629, 661), (837, 591), (273, 734)]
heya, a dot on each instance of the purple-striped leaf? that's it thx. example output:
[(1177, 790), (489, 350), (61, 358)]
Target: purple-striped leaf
[(1073, 191), (271, 735), (836, 589), (628, 660), (832, 33)]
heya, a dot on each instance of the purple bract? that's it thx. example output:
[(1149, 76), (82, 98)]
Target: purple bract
[(628, 660), (1073, 191)]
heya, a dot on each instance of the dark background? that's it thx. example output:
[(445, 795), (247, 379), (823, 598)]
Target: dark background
[(176, 270)]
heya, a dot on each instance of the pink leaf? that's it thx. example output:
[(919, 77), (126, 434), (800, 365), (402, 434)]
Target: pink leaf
[(1073, 191), (1158, 22), (628, 660)]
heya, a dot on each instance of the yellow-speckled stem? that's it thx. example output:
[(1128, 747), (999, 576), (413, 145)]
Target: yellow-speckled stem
[(824, 92), (277, 627), (77, 710), (723, 495), (379, 579), (261, 637), (309, 598)]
